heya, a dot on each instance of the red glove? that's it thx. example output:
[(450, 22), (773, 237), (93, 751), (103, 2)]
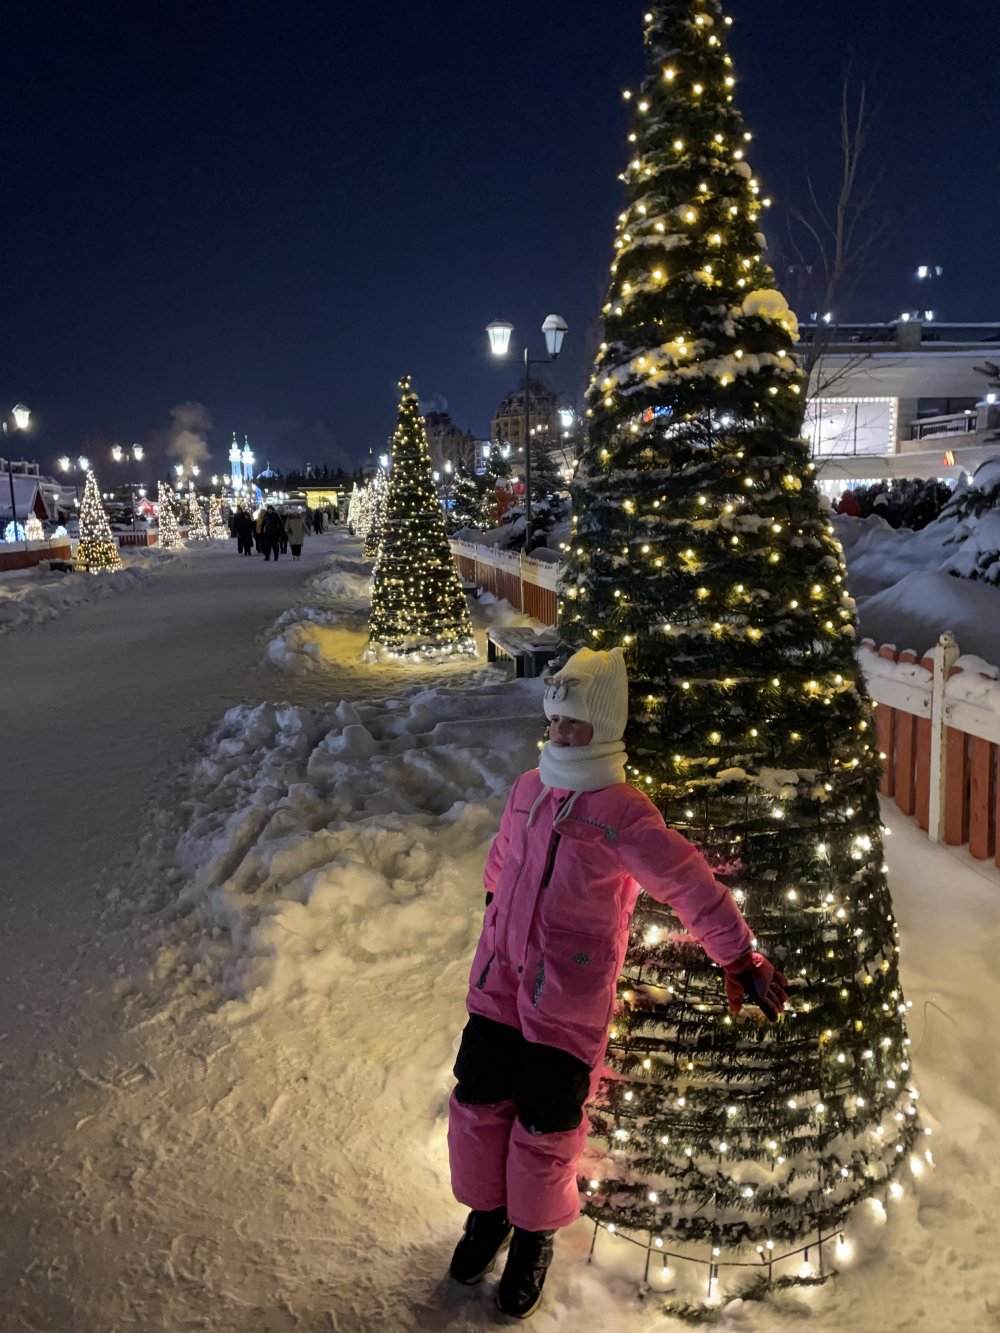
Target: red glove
[(754, 979)]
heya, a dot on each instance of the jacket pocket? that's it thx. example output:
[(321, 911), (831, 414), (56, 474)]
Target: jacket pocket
[(574, 977), (485, 951)]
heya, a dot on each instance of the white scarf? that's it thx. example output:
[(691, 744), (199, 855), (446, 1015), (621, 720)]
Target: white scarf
[(582, 767)]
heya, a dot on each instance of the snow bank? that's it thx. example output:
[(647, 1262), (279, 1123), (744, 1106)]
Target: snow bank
[(318, 844), (916, 611)]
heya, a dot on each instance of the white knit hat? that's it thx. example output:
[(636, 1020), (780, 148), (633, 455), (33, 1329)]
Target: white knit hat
[(592, 687)]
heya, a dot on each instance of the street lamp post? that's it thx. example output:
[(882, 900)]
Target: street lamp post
[(22, 419), (555, 329), (127, 455)]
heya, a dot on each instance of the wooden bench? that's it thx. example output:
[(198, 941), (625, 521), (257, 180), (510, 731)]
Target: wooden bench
[(530, 650)]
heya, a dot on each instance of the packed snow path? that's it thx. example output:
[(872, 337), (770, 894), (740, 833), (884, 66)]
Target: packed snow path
[(227, 1112)]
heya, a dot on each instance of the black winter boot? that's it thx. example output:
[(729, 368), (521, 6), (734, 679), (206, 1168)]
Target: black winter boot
[(484, 1236), (520, 1289)]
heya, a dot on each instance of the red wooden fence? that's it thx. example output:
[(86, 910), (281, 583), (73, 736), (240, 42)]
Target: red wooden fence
[(941, 749)]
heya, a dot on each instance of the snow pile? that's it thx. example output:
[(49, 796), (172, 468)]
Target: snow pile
[(343, 579), (917, 610), (33, 596), (319, 845)]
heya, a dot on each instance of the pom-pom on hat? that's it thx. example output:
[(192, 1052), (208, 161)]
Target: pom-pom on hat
[(592, 687)]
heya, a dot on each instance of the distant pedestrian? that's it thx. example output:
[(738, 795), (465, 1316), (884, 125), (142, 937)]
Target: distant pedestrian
[(318, 521), (258, 531), (848, 504), (271, 530), (243, 529), (296, 529), (284, 532)]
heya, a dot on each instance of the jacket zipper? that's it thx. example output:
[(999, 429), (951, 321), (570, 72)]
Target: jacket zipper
[(546, 876), (550, 863)]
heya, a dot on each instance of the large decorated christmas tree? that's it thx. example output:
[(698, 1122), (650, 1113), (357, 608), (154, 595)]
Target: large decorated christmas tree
[(700, 544), (418, 605), (97, 549)]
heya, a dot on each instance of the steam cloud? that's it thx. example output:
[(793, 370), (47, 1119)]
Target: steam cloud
[(187, 442)]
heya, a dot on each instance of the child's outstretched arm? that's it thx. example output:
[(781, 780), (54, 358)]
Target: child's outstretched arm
[(673, 871)]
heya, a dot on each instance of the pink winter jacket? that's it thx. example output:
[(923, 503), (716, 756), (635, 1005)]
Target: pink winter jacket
[(555, 933)]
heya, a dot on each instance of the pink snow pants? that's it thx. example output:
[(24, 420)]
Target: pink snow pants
[(516, 1127)]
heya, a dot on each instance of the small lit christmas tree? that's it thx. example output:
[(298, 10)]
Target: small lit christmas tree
[(468, 508), (97, 549), (499, 487), (366, 509), (701, 546), (376, 520), (169, 535), (33, 530), (14, 532), (418, 605), (354, 507), (194, 520), (218, 530)]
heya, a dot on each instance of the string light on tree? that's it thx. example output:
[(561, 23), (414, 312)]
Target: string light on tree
[(418, 605), (699, 546), (97, 550)]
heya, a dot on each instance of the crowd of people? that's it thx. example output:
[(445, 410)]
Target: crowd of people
[(273, 531)]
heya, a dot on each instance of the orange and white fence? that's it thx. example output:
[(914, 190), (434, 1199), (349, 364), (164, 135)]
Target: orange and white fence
[(938, 725), (528, 585)]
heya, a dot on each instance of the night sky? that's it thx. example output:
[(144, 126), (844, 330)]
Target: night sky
[(275, 210)]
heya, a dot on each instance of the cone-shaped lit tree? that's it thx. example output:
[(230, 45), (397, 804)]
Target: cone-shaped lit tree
[(168, 534), (366, 508), (197, 531), (418, 605), (217, 530), (701, 546), (376, 520), (468, 502), (96, 549), (354, 507)]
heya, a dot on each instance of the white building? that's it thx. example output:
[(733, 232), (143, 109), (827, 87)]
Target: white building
[(901, 400)]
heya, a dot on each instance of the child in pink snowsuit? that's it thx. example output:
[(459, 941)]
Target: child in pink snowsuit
[(562, 877)]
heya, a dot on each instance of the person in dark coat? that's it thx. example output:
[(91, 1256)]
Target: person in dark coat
[(271, 532), (318, 521), (284, 532), (244, 531)]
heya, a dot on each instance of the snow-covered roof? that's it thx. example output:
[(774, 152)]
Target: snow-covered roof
[(28, 497)]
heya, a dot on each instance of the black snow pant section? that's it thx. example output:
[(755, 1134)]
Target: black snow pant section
[(270, 547), (496, 1063), (243, 546), (296, 550)]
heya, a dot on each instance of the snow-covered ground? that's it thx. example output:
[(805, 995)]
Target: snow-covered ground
[(30, 597), (235, 941)]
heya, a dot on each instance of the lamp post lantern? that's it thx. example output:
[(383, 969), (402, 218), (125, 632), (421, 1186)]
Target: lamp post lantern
[(22, 419), (555, 328), (120, 455)]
